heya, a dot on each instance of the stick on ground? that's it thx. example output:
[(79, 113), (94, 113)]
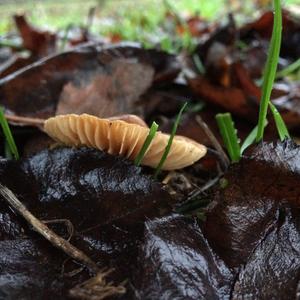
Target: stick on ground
[(45, 231), (96, 287), (214, 141)]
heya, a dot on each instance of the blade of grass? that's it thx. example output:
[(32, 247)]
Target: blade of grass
[(281, 128), (8, 135), (229, 135), (289, 69), (270, 69), (168, 147), (196, 107), (199, 65), (148, 140), (250, 138), (8, 154)]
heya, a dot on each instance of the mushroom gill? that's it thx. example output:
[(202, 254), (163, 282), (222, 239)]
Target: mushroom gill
[(118, 137)]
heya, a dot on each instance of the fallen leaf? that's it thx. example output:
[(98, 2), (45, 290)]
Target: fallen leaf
[(39, 43), (175, 261), (262, 27), (259, 187), (107, 94), (106, 198), (115, 75)]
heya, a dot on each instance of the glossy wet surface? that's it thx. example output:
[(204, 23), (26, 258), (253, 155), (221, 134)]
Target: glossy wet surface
[(248, 246)]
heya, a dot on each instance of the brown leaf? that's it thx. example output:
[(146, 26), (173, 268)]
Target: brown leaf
[(103, 79), (40, 43), (106, 199), (253, 222), (232, 99), (262, 27), (107, 96), (14, 64), (243, 212)]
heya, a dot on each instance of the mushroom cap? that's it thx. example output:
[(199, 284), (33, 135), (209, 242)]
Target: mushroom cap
[(121, 138)]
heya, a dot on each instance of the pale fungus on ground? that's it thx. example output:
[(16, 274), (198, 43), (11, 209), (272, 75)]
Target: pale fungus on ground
[(118, 137)]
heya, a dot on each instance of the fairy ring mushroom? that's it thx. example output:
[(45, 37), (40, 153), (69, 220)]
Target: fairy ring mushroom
[(118, 137)]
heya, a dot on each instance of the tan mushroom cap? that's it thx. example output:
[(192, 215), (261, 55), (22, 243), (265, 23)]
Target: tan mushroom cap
[(121, 138)]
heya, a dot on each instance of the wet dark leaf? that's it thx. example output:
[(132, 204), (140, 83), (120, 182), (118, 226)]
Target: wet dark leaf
[(106, 199), (13, 64), (243, 213), (176, 262), (273, 270)]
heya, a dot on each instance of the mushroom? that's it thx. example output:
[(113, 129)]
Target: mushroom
[(118, 137)]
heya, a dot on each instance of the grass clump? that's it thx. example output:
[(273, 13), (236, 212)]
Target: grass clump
[(225, 123)]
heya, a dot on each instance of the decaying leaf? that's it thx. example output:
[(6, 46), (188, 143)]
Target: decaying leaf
[(105, 198), (176, 262), (109, 78), (252, 221), (39, 43), (107, 95), (262, 27)]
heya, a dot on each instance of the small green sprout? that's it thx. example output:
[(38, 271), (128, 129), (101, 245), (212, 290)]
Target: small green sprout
[(280, 125), (289, 69), (168, 147), (250, 139), (148, 140), (229, 136), (198, 63), (8, 135)]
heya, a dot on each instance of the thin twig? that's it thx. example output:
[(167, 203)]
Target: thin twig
[(68, 223), (97, 288), (214, 141), (90, 18), (25, 120), (71, 273), (43, 230), (203, 188)]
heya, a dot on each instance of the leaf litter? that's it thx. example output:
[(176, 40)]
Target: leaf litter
[(207, 231)]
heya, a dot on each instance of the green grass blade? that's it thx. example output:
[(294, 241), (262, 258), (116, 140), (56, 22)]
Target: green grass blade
[(198, 63), (289, 69), (250, 139), (229, 135), (8, 154), (195, 107), (281, 128), (148, 140), (270, 69), (8, 135), (168, 147)]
